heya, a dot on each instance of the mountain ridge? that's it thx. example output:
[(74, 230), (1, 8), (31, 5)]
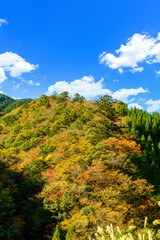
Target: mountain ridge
[(8, 103)]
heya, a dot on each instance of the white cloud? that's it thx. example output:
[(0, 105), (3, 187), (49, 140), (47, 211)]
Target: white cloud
[(139, 48), (120, 70), (131, 100), (134, 105), (115, 80), (3, 21), (154, 105), (137, 69), (15, 87), (158, 73), (123, 94), (16, 98), (14, 64), (90, 89), (86, 86), (31, 82), (1, 92), (18, 68), (2, 75), (142, 99)]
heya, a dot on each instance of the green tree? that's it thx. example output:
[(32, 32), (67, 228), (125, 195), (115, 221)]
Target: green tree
[(78, 98), (121, 109), (63, 97), (70, 234), (57, 235)]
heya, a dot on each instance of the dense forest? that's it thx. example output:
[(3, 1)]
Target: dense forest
[(70, 166), (7, 104)]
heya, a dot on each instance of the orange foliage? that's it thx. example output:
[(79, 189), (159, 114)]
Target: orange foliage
[(114, 145), (46, 138), (11, 168), (97, 118)]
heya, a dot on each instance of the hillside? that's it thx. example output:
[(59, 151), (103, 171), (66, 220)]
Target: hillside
[(7, 104), (76, 164)]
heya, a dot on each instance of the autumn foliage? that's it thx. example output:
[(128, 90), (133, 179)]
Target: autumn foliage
[(69, 165)]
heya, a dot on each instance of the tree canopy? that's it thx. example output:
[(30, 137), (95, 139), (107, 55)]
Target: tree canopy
[(70, 165)]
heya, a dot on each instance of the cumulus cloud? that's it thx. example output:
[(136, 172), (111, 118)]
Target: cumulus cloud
[(138, 49), (123, 94), (18, 68), (87, 87), (154, 105), (134, 105), (2, 75), (3, 21), (14, 64)]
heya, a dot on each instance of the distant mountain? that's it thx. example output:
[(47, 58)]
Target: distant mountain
[(8, 103)]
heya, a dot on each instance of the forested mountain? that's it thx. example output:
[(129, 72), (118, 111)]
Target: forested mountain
[(71, 165), (7, 104), (146, 129)]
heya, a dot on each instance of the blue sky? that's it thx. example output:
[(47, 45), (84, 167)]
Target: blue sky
[(93, 47)]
